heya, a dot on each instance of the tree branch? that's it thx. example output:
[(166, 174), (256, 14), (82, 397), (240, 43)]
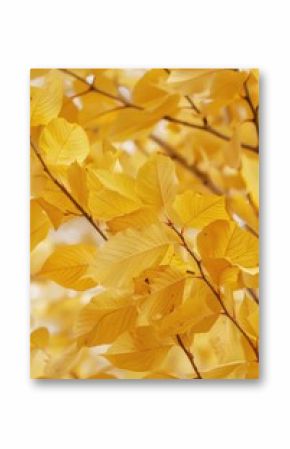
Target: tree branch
[(189, 355), (66, 192), (216, 293), (253, 294), (189, 167), (254, 111), (205, 127)]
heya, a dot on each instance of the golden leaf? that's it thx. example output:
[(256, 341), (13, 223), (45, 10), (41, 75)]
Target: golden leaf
[(197, 210), (156, 182), (224, 239), (197, 314), (138, 351), (63, 142), (104, 319), (46, 101), (72, 266), (130, 252), (39, 224)]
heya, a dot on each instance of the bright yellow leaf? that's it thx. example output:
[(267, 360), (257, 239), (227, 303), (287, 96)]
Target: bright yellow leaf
[(39, 224), (156, 181), (196, 210), (46, 101), (130, 252), (63, 143), (72, 266), (224, 239)]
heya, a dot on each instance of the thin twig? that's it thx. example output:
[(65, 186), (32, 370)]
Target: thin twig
[(216, 293), (100, 91), (251, 230), (192, 104), (182, 161), (189, 355), (66, 192), (253, 295), (254, 111), (80, 94), (210, 130)]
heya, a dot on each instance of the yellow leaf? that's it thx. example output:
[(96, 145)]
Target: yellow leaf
[(248, 317), (38, 362), (107, 204), (138, 351), (232, 370), (104, 321), (250, 172), (224, 239), (138, 219), (214, 88), (39, 338), (232, 150), (223, 344), (54, 213), (250, 280), (226, 85), (117, 182), (238, 205), (46, 101), (197, 314), (130, 252), (59, 366), (63, 143), (111, 194), (56, 198), (165, 287), (72, 266), (148, 91), (132, 123), (223, 273), (78, 183), (156, 181), (188, 81), (39, 224), (197, 210)]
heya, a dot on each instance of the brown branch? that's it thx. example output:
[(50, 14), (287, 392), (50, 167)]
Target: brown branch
[(192, 104), (189, 167), (80, 94), (210, 130), (251, 230), (189, 355), (214, 291), (205, 127), (66, 192), (253, 294), (254, 111)]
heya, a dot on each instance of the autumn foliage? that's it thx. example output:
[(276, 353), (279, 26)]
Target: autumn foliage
[(144, 223)]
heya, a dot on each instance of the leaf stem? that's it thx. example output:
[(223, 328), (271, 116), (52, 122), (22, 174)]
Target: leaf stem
[(66, 192)]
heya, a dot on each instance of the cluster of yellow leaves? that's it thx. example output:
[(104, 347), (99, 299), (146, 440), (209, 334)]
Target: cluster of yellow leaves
[(144, 223)]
